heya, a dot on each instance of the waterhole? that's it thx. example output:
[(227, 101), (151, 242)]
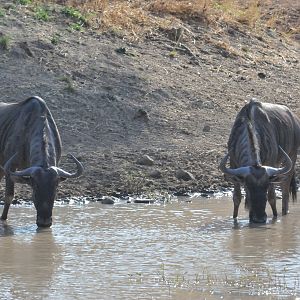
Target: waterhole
[(187, 248)]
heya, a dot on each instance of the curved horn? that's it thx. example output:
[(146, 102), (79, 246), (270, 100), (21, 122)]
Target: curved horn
[(242, 171), (25, 172), (8, 164), (78, 173), (281, 171)]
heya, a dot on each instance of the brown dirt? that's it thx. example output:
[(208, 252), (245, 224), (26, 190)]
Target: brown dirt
[(115, 101)]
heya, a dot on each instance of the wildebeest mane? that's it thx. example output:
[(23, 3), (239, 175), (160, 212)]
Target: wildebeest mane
[(245, 138)]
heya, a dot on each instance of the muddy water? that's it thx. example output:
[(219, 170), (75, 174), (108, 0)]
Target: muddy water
[(176, 250)]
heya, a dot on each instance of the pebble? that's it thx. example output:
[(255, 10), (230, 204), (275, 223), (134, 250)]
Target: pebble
[(145, 160), (184, 175)]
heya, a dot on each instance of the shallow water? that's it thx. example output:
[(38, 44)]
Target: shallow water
[(176, 250)]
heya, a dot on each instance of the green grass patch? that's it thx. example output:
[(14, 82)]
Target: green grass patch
[(69, 83), (42, 13), (24, 2), (2, 13), (55, 39), (76, 26), (76, 15), (4, 42)]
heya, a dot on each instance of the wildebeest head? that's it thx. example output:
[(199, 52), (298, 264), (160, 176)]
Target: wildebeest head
[(256, 180), (44, 182)]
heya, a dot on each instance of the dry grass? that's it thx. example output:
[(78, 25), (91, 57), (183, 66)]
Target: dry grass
[(138, 17)]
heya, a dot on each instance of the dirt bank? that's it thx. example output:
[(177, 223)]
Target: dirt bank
[(116, 101)]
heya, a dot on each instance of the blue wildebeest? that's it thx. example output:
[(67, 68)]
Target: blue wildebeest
[(263, 149), (30, 149)]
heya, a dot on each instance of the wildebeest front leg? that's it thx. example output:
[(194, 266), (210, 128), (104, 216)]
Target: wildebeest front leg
[(272, 199), (237, 197), (9, 195)]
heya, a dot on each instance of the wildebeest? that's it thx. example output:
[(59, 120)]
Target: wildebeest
[(263, 149), (30, 150)]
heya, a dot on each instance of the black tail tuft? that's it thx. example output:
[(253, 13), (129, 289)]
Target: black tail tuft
[(293, 188)]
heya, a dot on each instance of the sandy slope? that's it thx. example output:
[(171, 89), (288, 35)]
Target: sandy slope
[(115, 101)]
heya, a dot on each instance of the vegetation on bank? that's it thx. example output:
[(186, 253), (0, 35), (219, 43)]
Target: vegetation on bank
[(140, 17)]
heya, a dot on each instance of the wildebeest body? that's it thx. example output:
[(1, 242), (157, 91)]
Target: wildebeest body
[(30, 150), (28, 128), (259, 133)]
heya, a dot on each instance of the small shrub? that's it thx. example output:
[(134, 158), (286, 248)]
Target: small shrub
[(76, 26), (42, 13), (2, 13), (70, 87), (4, 42), (75, 14), (24, 2), (55, 39), (173, 53)]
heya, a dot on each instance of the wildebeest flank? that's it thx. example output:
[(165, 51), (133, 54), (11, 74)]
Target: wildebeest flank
[(263, 149), (30, 150)]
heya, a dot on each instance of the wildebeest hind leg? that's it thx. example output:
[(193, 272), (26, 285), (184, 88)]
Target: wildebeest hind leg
[(9, 194), (237, 196), (285, 201), (272, 199)]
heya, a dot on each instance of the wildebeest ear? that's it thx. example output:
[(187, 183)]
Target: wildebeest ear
[(21, 179), (62, 179), (234, 179)]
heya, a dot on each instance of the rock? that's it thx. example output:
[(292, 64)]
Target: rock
[(145, 201), (156, 174), (145, 160), (261, 75), (225, 53), (184, 175), (108, 200), (206, 128), (121, 50), (181, 193), (141, 114), (124, 51)]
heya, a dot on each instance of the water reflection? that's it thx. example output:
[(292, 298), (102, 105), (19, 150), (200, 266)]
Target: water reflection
[(28, 262), (5, 229), (177, 250), (276, 239)]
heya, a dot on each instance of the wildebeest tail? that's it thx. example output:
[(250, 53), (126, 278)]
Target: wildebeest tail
[(293, 188)]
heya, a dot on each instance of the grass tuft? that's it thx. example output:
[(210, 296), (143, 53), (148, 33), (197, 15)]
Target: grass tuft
[(2, 13), (76, 15), (4, 42), (55, 39), (42, 13), (24, 2), (69, 84)]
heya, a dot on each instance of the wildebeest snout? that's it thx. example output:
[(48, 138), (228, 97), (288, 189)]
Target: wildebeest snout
[(43, 221), (255, 218)]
